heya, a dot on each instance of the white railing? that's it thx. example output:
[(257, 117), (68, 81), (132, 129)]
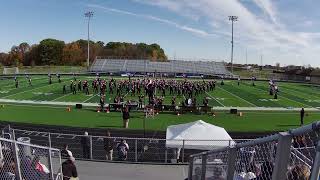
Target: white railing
[(24, 161), (287, 155), (140, 149)]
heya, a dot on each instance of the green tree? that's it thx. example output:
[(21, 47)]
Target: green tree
[(50, 52)]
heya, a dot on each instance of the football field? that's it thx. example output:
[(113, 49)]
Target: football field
[(44, 103)]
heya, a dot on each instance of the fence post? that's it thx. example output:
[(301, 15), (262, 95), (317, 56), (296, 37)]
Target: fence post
[(190, 167), (204, 166), (136, 150), (315, 171), (49, 139), (182, 158), (50, 163), (13, 135), (282, 156), (91, 147), (232, 155), (166, 155), (60, 167), (16, 161)]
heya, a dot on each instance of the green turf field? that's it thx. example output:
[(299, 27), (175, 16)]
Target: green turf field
[(251, 121), (229, 95)]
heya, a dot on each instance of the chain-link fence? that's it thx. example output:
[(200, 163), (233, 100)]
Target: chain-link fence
[(291, 155), (107, 148), (20, 160)]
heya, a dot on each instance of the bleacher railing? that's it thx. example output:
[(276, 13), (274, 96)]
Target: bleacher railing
[(25, 161), (140, 149), (288, 155)]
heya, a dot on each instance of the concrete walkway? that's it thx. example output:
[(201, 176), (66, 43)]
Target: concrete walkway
[(119, 171)]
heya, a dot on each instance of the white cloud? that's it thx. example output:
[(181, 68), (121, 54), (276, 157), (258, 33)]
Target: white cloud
[(192, 30), (307, 23), (268, 8), (265, 32)]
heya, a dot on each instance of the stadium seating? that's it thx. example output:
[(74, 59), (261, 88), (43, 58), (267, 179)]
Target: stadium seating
[(171, 67)]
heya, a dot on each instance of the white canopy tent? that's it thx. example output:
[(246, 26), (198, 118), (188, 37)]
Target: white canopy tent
[(197, 135)]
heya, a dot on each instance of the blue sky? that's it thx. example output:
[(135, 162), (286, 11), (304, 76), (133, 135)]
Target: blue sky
[(285, 31)]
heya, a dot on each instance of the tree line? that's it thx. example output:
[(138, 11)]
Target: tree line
[(57, 52)]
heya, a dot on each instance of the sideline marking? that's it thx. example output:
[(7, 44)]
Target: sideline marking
[(238, 97), (215, 99)]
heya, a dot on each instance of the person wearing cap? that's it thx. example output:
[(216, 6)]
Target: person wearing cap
[(69, 169), (65, 152), (85, 142)]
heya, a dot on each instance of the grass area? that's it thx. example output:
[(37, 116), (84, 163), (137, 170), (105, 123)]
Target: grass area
[(251, 121), (48, 69), (244, 73), (228, 95)]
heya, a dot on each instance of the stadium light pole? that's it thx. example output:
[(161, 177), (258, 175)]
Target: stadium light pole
[(232, 19), (88, 14)]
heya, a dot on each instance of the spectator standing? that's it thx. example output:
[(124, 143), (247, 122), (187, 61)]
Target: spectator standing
[(108, 146), (125, 117), (301, 116), (65, 152), (123, 148), (69, 169), (85, 143)]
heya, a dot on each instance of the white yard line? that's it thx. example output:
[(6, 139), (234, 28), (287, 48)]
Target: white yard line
[(215, 99), (13, 84), (287, 98), (48, 103), (93, 95), (29, 90), (29, 103), (238, 97), (61, 96), (308, 95)]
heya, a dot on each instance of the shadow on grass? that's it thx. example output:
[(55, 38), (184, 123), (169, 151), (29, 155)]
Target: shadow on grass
[(288, 125), (110, 126)]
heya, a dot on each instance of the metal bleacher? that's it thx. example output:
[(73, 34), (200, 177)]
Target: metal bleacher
[(172, 66)]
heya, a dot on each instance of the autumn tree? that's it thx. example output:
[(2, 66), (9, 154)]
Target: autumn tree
[(73, 54)]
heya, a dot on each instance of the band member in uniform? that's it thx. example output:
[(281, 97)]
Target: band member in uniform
[(222, 82), (140, 101), (253, 79), (79, 85), (58, 76), (50, 78), (64, 90), (29, 80), (102, 102), (74, 88), (17, 83)]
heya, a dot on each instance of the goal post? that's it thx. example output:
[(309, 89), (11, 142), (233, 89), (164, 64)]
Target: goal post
[(10, 70)]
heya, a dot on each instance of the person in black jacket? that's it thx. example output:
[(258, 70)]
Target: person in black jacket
[(108, 146), (301, 116), (85, 142), (69, 169), (125, 117)]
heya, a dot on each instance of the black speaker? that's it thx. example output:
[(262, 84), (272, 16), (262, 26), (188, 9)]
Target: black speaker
[(233, 111), (79, 106)]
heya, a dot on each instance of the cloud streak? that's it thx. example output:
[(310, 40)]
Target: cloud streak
[(260, 32), (192, 30)]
